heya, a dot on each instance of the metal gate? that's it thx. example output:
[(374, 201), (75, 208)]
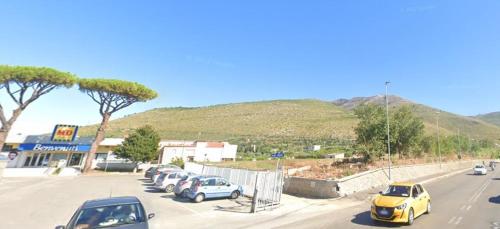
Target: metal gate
[(268, 190)]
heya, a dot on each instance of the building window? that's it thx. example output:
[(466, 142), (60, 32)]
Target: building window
[(75, 159), (27, 161)]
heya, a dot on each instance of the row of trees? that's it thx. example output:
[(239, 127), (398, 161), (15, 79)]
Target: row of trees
[(407, 131), (26, 84), (407, 137)]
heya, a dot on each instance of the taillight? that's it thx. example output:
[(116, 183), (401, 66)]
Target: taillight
[(197, 185)]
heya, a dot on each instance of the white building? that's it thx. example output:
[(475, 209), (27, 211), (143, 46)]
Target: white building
[(197, 151)]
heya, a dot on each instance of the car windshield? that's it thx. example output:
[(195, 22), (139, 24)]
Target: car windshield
[(399, 191), (109, 216), (479, 167)]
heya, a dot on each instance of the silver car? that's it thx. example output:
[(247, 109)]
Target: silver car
[(183, 185)]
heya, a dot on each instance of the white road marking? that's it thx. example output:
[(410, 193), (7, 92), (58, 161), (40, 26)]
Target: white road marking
[(476, 195), (481, 191), (463, 208), (452, 220), (468, 208), (458, 221)]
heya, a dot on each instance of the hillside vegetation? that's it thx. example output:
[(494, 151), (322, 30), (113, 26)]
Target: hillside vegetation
[(309, 121), (493, 118), (449, 123)]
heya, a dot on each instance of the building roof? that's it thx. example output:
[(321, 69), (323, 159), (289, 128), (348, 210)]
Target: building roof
[(112, 142), (15, 138), (215, 144)]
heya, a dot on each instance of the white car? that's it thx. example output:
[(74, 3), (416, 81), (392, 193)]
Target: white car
[(480, 170), (159, 171), (167, 180)]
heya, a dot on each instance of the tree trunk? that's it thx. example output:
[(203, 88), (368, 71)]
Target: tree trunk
[(6, 126), (98, 139), (3, 137)]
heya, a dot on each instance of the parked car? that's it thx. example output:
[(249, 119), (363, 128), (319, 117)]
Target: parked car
[(401, 203), (165, 169), (480, 170), (212, 187), (182, 187), (116, 212), (154, 170), (167, 180)]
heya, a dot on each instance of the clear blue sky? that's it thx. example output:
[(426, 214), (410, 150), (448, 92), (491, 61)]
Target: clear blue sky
[(444, 54)]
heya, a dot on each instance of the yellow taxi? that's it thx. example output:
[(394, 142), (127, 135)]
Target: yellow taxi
[(401, 203)]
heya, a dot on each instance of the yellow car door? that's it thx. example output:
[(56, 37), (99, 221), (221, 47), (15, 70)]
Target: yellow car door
[(417, 201)]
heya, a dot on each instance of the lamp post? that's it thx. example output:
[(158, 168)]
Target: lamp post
[(388, 130), (439, 144)]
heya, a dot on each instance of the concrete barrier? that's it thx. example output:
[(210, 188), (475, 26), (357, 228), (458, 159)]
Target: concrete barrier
[(310, 188), (379, 177), (367, 180)]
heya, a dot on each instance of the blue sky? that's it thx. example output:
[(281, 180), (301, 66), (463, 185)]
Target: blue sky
[(445, 54)]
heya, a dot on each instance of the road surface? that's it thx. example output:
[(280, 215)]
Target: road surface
[(461, 201)]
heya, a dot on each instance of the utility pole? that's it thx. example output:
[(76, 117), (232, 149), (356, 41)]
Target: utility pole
[(388, 130), (459, 146), (439, 145)]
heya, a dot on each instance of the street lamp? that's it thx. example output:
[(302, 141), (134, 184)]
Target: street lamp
[(439, 145), (388, 130)]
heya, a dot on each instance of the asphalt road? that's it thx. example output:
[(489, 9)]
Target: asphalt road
[(461, 201)]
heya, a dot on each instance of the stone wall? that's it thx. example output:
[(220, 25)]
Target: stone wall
[(367, 180), (310, 188)]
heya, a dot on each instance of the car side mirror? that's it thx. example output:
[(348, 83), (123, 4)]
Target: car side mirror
[(228, 185), (61, 227), (150, 216), (380, 192)]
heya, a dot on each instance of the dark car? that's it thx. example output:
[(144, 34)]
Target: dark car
[(116, 212)]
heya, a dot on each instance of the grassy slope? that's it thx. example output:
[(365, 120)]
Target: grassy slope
[(280, 118), (493, 118), (449, 123)]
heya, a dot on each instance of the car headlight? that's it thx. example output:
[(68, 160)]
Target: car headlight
[(402, 207)]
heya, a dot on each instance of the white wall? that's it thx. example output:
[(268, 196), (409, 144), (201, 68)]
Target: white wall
[(199, 153)]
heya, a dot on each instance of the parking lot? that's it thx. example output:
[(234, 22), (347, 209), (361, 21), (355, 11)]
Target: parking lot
[(48, 202)]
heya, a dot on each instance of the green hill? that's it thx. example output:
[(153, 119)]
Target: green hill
[(449, 123), (493, 118), (283, 119)]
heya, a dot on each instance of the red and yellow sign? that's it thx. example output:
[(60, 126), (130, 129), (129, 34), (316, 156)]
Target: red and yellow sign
[(64, 133)]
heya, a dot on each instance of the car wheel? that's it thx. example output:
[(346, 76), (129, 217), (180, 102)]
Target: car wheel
[(235, 195), (169, 188), (184, 193), (411, 216), (199, 198), (429, 208)]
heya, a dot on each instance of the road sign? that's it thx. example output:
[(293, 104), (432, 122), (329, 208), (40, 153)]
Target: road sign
[(278, 155)]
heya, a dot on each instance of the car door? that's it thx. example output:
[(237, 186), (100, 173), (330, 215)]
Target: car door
[(417, 208), (424, 196), (210, 188), (222, 188)]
